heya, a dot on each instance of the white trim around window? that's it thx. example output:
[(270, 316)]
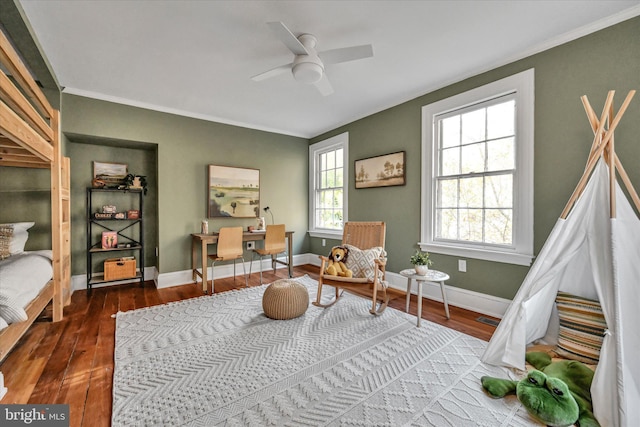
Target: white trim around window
[(333, 144), (521, 87)]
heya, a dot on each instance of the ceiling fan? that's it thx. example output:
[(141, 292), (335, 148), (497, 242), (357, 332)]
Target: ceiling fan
[(308, 65)]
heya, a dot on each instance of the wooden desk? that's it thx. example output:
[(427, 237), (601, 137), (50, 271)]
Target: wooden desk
[(202, 240)]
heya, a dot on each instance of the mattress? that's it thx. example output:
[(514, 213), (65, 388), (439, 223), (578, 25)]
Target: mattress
[(22, 277)]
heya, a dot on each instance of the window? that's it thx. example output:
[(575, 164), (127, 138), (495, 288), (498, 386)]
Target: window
[(477, 193), (328, 173)]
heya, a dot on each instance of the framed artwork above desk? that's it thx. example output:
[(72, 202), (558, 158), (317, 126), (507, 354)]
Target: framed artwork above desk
[(233, 192)]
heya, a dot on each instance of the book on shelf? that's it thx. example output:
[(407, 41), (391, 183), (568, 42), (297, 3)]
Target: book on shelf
[(109, 239)]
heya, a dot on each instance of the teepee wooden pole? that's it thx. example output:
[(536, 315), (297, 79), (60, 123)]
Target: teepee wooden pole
[(600, 127), (600, 148), (593, 120), (591, 115), (616, 120), (627, 183), (596, 152), (612, 169)]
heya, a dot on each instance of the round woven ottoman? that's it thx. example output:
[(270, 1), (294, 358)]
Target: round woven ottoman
[(285, 299)]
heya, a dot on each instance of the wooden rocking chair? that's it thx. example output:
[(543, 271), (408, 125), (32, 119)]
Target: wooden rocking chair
[(363, 235)]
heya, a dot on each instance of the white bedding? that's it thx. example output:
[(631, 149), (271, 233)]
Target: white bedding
[(22, 277)]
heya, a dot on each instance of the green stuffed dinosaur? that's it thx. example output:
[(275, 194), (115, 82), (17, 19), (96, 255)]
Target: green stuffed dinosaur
[(556, 393)]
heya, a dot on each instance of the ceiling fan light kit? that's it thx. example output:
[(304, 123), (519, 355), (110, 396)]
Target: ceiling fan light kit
[(307, 72), (307, 66)]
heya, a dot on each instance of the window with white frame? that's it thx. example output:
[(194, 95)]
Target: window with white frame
[(477, 193), (328, 173)]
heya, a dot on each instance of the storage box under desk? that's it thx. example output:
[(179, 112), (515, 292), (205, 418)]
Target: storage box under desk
[(119, 268)]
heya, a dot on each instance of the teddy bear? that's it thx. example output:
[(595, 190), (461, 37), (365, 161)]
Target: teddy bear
[(337, 259), (555, 393)]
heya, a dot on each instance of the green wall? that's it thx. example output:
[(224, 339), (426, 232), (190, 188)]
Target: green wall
[(185, 147), (605, 60), (141, 159), (25, 196)]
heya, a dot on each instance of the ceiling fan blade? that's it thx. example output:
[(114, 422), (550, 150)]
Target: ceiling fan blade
[(287, 37), (323, 85), (272, 73), (345, 54)]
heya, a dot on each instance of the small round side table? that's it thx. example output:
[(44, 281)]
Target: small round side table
[(433, 276)]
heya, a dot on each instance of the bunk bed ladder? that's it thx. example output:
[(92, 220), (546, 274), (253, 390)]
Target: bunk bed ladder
[(61, 224)]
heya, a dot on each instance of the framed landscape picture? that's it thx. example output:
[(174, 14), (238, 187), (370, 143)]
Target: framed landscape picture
[(233, 192), (104, 169), (381, 171), (112, 174)]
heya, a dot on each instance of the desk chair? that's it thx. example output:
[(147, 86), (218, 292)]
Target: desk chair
[(274, 244), (229, 247)]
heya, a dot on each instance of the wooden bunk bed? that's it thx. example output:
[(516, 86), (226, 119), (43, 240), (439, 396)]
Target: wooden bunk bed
[(30, 138)]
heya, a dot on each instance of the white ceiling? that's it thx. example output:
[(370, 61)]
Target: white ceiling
[(195, 58)]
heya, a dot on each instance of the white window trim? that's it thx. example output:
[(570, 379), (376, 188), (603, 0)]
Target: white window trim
[(522, 252), (338, 141)]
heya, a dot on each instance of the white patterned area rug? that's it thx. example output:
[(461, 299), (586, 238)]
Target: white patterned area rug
[(217, 360)]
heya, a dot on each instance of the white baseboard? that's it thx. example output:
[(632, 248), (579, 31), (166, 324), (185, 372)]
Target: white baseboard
[(185, 277), (463, 298), (79, 281)]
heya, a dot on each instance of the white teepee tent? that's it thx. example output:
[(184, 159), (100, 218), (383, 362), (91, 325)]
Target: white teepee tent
[(594, 252)]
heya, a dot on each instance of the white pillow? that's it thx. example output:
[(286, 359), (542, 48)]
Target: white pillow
[(3, 323), (19, 237), (10, 311), (361, 261)]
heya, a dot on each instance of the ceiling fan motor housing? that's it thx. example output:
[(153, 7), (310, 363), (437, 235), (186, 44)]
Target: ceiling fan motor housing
[(308, 68)]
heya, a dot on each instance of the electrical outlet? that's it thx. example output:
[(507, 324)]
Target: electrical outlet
[(462, 265), (251, 245), (324, 242)]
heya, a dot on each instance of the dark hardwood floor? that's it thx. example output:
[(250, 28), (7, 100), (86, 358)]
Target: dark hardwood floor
[(71, 361)]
